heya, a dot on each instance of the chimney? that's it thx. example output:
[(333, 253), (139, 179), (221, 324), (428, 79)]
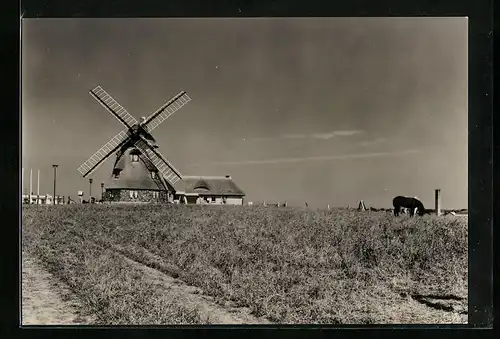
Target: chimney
[(228, 176)]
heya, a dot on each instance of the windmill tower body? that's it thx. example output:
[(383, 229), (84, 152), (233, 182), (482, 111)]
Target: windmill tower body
[(131, 179), (140, 173), (135, 178)]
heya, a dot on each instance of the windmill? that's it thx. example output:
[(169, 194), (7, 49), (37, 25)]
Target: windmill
[(140, 171)]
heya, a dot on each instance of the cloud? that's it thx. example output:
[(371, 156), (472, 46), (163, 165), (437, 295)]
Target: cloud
[(372, 142), (323, 136), (294, 136), (326, 136), (320, 158)]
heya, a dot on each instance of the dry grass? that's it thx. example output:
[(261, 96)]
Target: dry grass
[(289, 265)]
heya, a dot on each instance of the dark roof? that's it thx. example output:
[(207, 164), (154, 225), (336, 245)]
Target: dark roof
[(205, 185), (133, 175)]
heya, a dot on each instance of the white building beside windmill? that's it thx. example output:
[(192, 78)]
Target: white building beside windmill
[(211, 190)]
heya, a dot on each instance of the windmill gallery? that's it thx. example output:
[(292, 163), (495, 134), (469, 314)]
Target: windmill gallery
[(141, 173)]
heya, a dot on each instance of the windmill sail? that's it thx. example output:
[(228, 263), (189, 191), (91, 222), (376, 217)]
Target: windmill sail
[(105, 151), (138, 135), (113, 106), (166, 110), (158, 179), (164, 167)]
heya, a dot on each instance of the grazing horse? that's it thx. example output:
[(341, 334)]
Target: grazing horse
[(407, 202)]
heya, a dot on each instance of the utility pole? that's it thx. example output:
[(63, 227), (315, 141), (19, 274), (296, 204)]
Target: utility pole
[(38, 188), (90, 189), (31, 184), (55, 176), (102, 191)]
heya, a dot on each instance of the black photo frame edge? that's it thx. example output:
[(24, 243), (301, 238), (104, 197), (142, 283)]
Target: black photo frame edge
[(481, 147)]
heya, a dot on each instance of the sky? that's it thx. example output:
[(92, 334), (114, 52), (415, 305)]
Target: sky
[(323, 110)]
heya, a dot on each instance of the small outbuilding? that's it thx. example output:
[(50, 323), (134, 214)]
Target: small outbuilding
[(209, 190)]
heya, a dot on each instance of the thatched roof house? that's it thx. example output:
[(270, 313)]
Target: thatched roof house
[(212, 189)]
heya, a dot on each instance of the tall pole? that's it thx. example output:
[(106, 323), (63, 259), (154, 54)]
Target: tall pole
[(31, 183), (38, 187), (55, 176), (90, 189)]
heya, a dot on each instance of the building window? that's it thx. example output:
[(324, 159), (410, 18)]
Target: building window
[(135, 157), (136, 194), (153, 175), (133, 194), (156, 194), (213, 199)]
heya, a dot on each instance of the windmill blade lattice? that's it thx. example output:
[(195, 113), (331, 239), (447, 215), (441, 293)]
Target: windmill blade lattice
[(158, 179), (164, 167), (169, 108), (113, 107), (105, 151)]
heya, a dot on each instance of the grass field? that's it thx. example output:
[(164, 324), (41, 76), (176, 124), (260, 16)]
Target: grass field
[(288, 265)]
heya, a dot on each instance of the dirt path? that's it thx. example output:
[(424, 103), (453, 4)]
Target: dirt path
[(410, 310), (191, 296), (44, 300), (157, 272)]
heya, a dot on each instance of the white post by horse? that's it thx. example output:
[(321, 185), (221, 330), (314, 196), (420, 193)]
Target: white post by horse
[(437, 202)]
